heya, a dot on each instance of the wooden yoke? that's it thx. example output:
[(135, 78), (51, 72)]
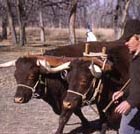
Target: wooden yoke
[(100, 84), (104, 50), (104, 58), (56, 61), (87, 48)]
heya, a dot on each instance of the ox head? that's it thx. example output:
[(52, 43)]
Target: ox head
[(28, 78), (31, 75), (80, 77)]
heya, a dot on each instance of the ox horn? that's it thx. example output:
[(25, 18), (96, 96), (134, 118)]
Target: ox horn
[(50, 69), (95, 70), (8, 64)]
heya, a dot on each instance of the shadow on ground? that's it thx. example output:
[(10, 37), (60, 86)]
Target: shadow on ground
[(93, 127)]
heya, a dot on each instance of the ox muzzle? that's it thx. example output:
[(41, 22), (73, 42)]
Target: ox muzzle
[(33, 91)]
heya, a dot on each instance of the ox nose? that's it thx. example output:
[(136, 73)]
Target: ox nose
[(67, 105), (18, 100)]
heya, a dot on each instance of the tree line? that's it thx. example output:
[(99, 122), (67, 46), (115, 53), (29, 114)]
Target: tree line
[(63, 14)]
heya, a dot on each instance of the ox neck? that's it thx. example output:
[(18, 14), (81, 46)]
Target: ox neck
[(84, 96)]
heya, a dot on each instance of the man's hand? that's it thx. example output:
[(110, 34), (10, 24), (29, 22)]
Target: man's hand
[(123, 108), (117, 95)]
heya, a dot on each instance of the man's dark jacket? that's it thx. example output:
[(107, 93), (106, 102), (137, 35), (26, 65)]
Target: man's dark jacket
[(134, 90)]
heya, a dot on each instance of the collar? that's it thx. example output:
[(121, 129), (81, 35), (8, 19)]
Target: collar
[(135, 55)]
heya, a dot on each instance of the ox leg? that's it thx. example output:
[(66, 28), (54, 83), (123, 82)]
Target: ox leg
[(104, 125), (103, 120), (83, 119), (63, 119), (104, 128)]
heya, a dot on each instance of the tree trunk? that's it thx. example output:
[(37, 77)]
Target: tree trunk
[(22, 35), (11, 23), (124, 16), (72, 35), (42, 30), (22, 25), (121, 17), (4, 28)]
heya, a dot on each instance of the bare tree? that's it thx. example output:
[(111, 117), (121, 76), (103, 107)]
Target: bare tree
[(121, 16), (20, 15), (125, 15), (4, 27), (66, 14), (42, 29), (25, 10), (3, 19), (11, 22), (72, 35)]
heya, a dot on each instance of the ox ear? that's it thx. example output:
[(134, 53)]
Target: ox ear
[(64, 74), (95, 70)]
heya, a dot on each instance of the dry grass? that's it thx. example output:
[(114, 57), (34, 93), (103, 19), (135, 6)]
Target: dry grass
[(60, 37), (105, 34)]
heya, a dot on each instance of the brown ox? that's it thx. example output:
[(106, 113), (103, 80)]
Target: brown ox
[(80, 79)]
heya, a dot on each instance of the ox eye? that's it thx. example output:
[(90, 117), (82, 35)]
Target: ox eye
[(83, 82), (31, 76)]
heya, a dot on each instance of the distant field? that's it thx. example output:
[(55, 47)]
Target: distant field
[(59, 37)]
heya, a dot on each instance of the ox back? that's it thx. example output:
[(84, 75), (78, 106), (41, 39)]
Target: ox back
[(116, 50), (78, 49)]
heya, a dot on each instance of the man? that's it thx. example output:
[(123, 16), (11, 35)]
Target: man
[(130, 107)]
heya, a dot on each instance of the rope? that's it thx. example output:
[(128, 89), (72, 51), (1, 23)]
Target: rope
[(77, 93), (97, 90), (32, 88)]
